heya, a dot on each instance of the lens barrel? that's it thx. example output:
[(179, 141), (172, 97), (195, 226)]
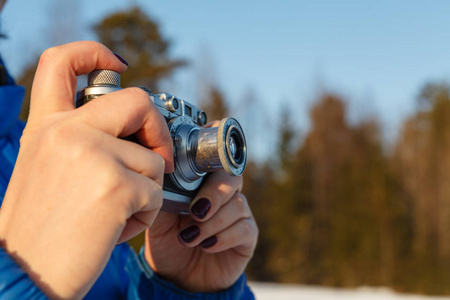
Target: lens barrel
[(219, 148)]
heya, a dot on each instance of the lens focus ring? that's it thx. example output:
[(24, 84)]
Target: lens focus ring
[(232, 146)]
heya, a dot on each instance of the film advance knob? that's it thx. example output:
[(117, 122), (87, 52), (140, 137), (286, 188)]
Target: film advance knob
[(104, 77)]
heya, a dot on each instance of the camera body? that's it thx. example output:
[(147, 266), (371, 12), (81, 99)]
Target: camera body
[(197, 150)]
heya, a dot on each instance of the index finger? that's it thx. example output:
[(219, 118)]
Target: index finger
[(218, 189), (131, 111), (55, 80)]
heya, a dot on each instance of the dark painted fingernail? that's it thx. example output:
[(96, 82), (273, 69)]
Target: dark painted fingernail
[(189, 234), (209, 242), (121, 58), (201, 208)]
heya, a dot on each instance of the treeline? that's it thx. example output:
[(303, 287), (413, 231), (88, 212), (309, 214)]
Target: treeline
[(334, 208), (339, 210)]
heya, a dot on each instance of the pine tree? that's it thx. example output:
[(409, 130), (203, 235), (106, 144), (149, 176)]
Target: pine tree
[(137, 37)]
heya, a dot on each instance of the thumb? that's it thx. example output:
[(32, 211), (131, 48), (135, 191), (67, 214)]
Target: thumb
[(56, 75)]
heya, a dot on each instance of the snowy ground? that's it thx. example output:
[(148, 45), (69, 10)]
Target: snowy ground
[(271, 291)]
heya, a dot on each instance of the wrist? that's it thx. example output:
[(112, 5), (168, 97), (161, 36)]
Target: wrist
[(148, 283), (16, 284)]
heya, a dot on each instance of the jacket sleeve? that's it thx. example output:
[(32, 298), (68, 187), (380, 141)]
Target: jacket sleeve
[(142, 283), (146, 284), (14, 282)]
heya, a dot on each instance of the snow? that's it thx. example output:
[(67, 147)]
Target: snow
[(270, 291)]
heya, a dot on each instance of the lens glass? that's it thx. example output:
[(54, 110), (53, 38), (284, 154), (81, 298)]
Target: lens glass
[(232, 147), (236, 146)]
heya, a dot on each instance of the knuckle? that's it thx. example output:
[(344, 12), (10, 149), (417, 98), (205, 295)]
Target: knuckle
[(113, 186), (250, 231), (239, 182), (161, 167), (242, 204), (64, 139), (57, 134), (50, 55), (214, 123), (91, 44), (139, 96), (85, 150), (157, 199), (157, 162), (153, 167), (110, 178), (253, 226), (246, 228), (230, 184), (151, 196), (253, 230)]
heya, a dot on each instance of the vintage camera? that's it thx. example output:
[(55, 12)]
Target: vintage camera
[(197, 150)]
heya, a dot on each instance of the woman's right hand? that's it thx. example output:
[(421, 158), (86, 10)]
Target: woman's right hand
[(77, 189)]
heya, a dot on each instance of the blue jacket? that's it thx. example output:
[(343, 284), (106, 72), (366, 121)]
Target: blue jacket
[(126, 276)]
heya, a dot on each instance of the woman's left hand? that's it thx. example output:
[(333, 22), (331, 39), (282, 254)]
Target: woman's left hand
[(208, 250)]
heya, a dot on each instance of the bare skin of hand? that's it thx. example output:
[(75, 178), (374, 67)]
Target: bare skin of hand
[(77, 190), (208, 250)]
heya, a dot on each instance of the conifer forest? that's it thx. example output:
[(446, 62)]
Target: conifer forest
[(335, 203)]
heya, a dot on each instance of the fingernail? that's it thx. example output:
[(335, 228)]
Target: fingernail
[(121, 58), (189, 234), (201, 208), (209, 242)]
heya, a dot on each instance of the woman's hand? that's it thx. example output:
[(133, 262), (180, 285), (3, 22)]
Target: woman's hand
[(208, 250), (77, 190)]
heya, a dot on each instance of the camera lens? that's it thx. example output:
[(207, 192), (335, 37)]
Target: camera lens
[(218, 148), (235, 146), (232, 147)]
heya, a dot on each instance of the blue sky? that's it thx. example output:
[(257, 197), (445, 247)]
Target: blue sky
[(378, 54)]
